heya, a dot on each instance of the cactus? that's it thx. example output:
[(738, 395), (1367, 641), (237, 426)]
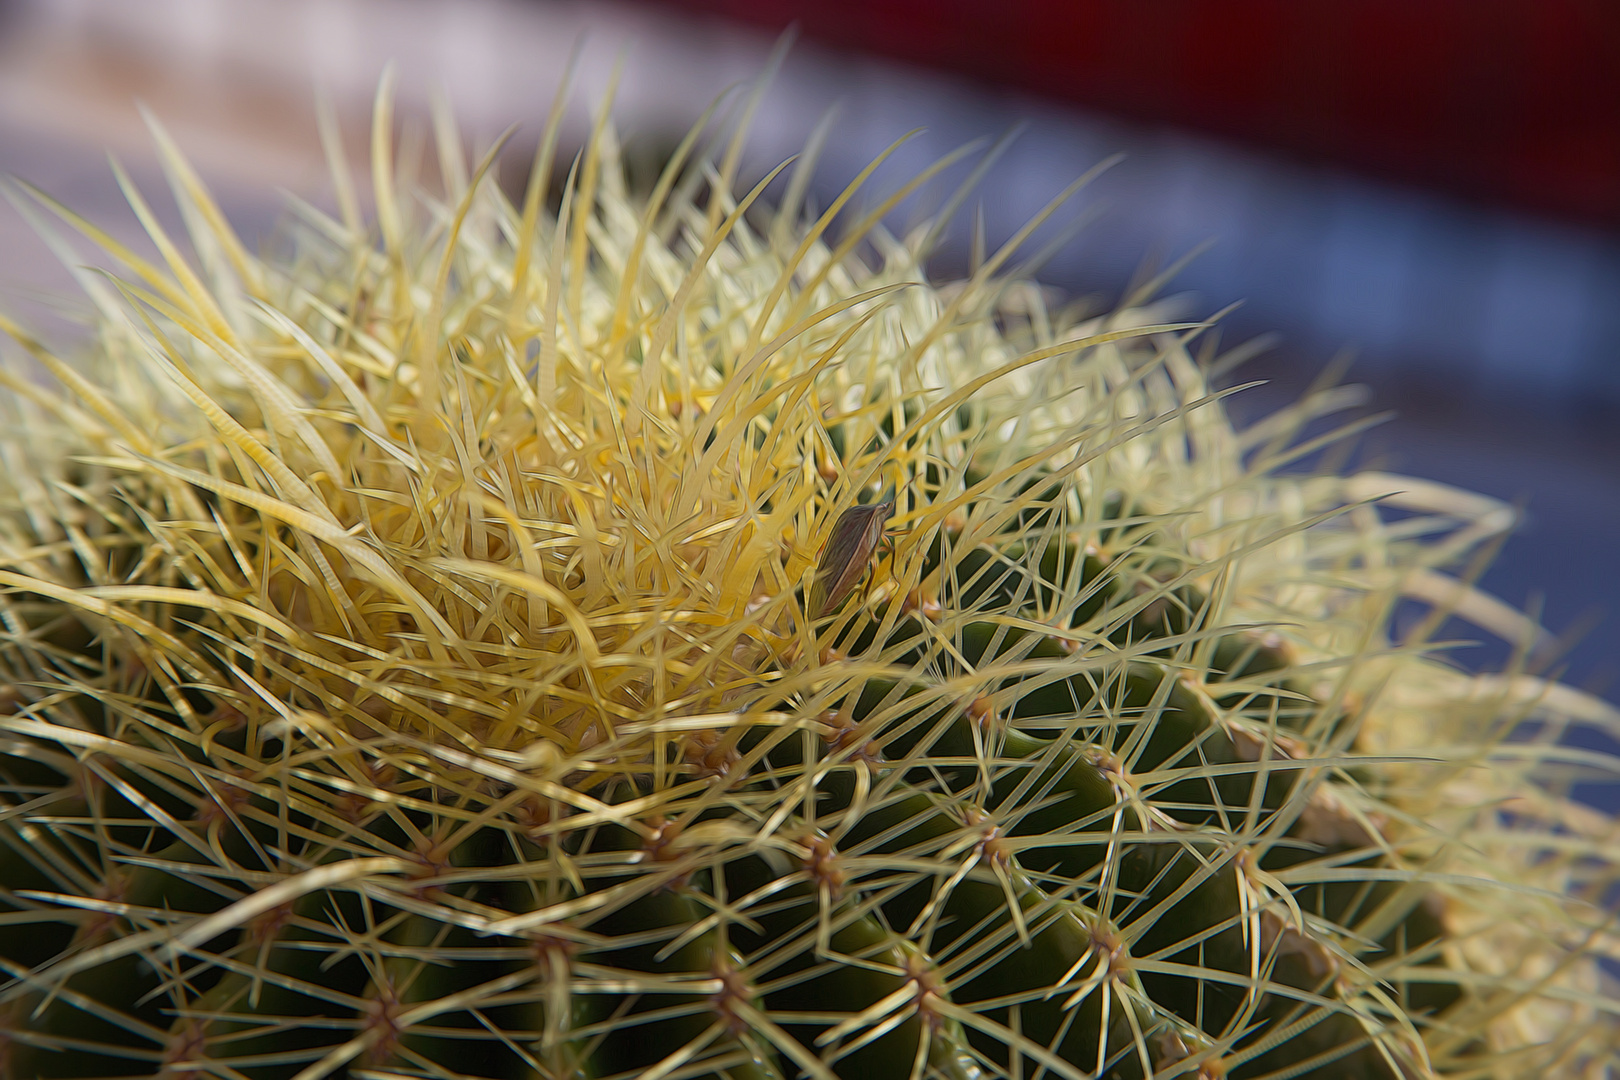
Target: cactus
[(423, 657)]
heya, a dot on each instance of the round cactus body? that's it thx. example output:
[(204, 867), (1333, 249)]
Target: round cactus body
[(453, 649)]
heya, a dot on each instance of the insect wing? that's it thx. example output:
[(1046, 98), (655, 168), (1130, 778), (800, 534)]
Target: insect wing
[(855, 536)]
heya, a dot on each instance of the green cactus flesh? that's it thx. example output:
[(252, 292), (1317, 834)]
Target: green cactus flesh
[(1111, 769)]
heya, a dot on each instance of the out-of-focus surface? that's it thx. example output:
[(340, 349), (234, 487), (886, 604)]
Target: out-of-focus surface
[(1494, 333), (1516, 101)]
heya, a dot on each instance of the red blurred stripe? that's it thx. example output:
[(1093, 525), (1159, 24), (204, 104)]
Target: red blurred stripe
[(1514, 100)]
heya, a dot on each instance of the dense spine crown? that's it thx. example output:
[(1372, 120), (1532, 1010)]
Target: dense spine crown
[(424, 656)]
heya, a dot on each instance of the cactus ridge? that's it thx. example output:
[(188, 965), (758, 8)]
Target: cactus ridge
[(413, 667)]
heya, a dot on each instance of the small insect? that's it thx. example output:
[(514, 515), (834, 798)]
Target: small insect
[(848, 555)]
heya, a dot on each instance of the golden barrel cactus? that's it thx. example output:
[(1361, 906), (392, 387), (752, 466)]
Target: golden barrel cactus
[(423, 657)]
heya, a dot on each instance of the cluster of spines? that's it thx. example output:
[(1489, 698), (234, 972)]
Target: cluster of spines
[(1033, 801), (1010, 845)]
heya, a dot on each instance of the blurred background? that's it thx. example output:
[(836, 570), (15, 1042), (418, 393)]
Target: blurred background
[(1431, 184)]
